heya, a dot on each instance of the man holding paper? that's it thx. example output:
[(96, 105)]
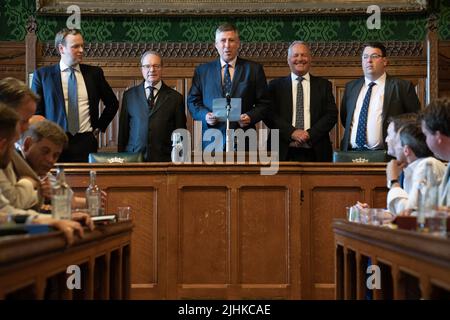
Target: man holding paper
[(228, 75)]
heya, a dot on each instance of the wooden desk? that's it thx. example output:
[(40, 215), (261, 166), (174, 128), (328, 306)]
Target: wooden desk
[(228, 232), (412, 265), (35, 267)]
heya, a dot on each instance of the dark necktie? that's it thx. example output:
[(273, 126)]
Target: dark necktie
[(151, 97), (300, 112), (401, 179), (73, 117), (361, 133), (226, 80)]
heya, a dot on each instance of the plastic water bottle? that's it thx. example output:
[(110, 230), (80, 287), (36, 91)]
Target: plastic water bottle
[(62, 197), (428, 197), (177, 155), (93, 195)]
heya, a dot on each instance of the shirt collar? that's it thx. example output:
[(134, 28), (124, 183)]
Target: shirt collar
[(232, 63), (64, 66), (305, 76), (411, 166), (156, 86), (380, 81)]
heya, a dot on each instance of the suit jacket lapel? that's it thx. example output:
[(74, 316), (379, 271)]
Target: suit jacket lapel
[(237, 76), (141, 95), (217, 74), (313, 95), (388, 88), (287, 97), (161, 98), (352, 101), (141, 100), (90, 87), (57, 84)]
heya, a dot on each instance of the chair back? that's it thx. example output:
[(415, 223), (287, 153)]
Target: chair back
[(360, 156), (115, 157)]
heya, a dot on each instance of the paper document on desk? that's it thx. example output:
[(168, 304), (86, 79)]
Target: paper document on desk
[(220, 109)]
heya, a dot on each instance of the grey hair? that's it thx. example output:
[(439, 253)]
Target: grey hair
[(294, 43), (148, 52)]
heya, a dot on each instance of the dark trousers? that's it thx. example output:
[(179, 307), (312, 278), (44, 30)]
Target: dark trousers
[(301, 154), (79, 147)]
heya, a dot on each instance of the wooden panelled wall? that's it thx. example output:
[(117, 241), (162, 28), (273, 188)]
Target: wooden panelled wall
[(228, 232), (339, 62)]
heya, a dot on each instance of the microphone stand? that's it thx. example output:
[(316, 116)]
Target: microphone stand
[(228, 133)]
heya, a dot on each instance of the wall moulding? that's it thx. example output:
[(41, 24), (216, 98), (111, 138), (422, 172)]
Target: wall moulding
[(255, 50), (223, 7)]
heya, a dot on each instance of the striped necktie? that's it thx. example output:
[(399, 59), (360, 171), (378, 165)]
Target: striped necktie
[(151, 97), (300, 112)]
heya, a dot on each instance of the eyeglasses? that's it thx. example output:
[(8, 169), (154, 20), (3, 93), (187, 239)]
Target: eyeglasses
[(150, 66), (373, 56)]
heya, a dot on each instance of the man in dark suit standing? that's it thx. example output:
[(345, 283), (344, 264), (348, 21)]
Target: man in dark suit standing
[(150, 112), (303, 109), (70, 93), (370, 101), (228, 75)]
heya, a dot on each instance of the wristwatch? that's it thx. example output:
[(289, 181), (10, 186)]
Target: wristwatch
[(390, 183)]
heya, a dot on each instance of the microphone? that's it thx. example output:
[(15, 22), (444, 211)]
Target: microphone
[(228, 97)]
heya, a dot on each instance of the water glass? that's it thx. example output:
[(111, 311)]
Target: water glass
[(123, 213)]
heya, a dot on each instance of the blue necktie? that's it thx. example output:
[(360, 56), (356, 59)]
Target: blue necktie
[(361, 133), (226, 80), (300, 113), (401, 179), (72, 117)]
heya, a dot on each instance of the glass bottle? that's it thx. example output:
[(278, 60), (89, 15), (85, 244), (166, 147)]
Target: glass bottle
[(93, 195), (62, 197), (428, 196)]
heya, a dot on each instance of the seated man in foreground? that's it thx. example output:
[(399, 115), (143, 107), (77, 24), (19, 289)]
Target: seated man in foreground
[(9, 133), (43, 143)]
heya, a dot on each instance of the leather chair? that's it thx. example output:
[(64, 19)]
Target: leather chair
[(360, 156), (115, 157)]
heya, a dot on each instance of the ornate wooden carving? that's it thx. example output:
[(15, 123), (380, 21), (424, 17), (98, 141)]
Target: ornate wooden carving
[(256, 50), (432, 57), (227, 7), (30, 44)]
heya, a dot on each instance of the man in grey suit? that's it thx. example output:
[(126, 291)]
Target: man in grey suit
[(150, 112), (369, 101)]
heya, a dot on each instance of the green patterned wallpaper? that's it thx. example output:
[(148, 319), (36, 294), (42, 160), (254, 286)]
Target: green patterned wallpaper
[(14, 13)]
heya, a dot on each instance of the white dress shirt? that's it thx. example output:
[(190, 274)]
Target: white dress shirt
[(444, 189), (374, 117), (399, 199), (83, 99)]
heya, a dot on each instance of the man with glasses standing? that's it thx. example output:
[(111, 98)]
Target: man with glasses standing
[(370, 101), (150, 112)]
